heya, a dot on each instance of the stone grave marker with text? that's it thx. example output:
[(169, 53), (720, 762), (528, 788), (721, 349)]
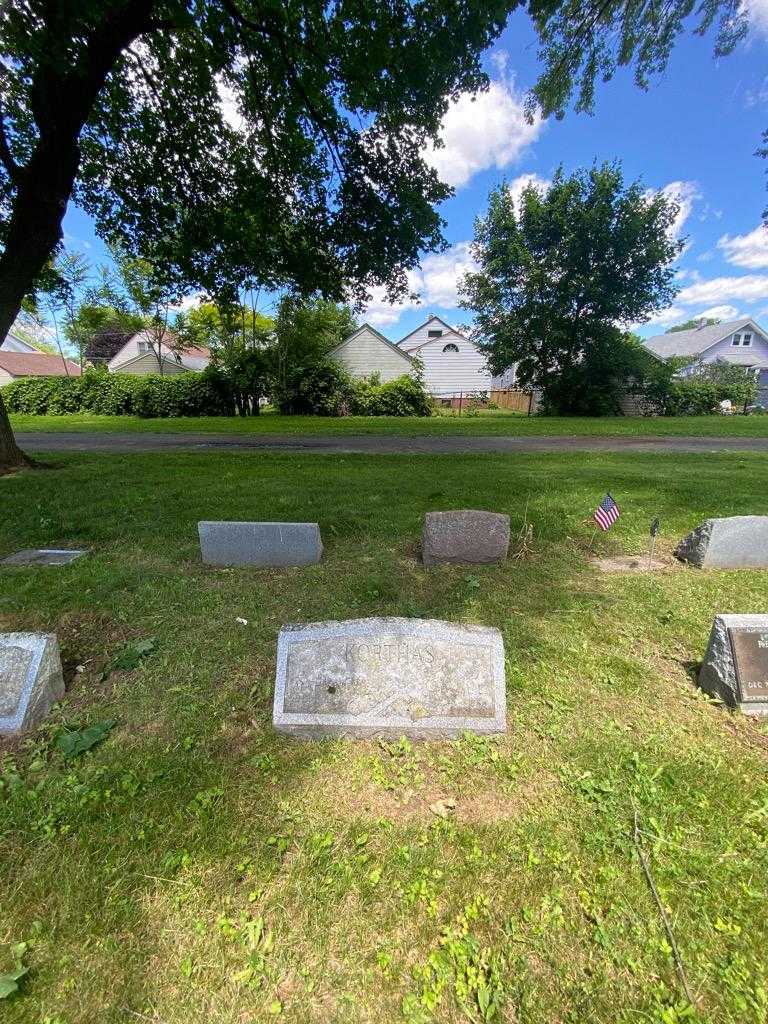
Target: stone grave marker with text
[(735, 667), (737, 542), (420, 678), (43, 556), (464, 536), (260, 544), (31, 679)]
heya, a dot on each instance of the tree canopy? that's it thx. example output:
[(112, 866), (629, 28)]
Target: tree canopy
[(563, 276)]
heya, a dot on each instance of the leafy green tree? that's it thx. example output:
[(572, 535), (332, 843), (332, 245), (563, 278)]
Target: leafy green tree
[(558, 278), (305, 332), (690, 325), (321, 187)]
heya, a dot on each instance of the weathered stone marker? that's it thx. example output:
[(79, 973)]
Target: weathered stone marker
[(465, 535), (738, 542), (30, 679), (389, 677), (263, 544), (43, 556), (735, 667)]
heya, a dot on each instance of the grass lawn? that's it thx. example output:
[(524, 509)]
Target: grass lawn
[(196, 867), (488, 422)]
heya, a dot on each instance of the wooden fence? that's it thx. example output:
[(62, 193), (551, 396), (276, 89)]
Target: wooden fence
[(517, 401)]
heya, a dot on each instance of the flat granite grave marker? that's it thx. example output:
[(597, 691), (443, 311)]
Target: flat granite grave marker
[(43, 556), (30, 679), (464, 536), (735, 667), (263, 544), (421, 678), (737, 542)]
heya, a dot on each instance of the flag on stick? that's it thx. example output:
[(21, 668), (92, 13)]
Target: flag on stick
[(606, 513)]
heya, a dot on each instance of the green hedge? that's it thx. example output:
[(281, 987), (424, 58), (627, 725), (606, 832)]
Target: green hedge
[(121, 394), (325, 389)]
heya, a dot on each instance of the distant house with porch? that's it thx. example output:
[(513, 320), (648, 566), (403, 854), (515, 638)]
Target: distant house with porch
[(367, 351), (740, 342), (15, 365)]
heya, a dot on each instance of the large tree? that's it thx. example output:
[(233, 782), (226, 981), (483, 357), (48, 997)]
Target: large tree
[(320, 186), (561, 276)]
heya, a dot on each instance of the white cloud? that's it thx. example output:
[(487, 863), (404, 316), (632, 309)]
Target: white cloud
[(435, 281), (717, 313), (756, 97), (482, 131), (685, 194), (757, 13), (521, 182), (750, 250), (748, 288), (665, 317)]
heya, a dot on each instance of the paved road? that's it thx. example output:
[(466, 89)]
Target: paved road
[(376, 443)]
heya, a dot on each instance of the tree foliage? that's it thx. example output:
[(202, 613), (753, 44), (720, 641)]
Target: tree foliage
[(691, 325), (561, 278)]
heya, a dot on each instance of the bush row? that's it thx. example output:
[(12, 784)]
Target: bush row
[(120, 394), (324, 389)]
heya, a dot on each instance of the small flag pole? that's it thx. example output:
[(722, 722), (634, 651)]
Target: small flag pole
[(592, 541), (654, 533)]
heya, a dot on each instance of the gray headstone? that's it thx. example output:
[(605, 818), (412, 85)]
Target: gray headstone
[(43, 556), (738, 542), (30, 679), (419, 678), (264, 544), (464, 536), (735, 667)]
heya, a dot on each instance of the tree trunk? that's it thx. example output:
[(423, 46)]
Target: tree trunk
[(61, 99)]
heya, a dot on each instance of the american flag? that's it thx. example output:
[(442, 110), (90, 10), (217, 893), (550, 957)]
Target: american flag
[(607, 513)]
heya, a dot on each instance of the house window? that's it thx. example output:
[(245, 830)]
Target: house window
[(450, 347), (746, 340), (434, 334), (143, 347)]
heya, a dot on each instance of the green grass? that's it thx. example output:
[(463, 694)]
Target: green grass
[(196, 867), (488, 422)]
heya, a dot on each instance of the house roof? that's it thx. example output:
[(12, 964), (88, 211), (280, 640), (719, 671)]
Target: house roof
[(695, 341), (379, 335), (421, 327), (168, 345), (37, 364), (22, 343)]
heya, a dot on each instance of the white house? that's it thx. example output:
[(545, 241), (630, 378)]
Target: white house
[(367, 351), (452, 362), (742, 342), (138, 355)]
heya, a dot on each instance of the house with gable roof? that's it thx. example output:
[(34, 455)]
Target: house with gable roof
[(367, 351), (452, 362), (741, 342)]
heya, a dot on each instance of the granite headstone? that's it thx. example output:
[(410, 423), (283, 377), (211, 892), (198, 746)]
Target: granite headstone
[(737, 542), (43, 556), (464, 536), (735, 667), (31, 679), (260, 544), (421, 678)]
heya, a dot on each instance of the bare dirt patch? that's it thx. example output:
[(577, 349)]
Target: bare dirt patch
[(635, 563)]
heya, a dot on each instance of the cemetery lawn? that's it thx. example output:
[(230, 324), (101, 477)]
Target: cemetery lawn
[(193, 866), (485, 423)]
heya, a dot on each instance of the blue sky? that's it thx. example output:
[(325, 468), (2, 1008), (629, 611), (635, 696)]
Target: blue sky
[(694, 134)]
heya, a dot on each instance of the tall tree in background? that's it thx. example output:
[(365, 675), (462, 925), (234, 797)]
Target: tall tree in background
[(306, 331), (561, 278), (121, 104)]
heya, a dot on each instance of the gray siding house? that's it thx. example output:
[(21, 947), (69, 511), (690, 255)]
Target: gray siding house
[(742, 342)]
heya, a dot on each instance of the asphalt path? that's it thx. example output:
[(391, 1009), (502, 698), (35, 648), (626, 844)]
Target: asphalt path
[(374, 444)]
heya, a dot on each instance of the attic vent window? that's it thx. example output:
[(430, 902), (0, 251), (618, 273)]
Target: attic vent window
[(450, 347), (143, 347), (434, 334)]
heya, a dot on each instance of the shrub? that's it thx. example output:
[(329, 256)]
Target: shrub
[(323, 389), (121, 394), (666, 393), (404, 396)]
